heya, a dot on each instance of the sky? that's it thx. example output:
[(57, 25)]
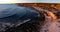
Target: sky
[(50, 1), (22, 1)]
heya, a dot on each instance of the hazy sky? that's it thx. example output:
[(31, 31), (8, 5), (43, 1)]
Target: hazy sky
[(13, 1), (39, 0), (58, 1)]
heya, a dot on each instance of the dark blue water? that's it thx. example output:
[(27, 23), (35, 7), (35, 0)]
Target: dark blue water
[(11, 13)]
